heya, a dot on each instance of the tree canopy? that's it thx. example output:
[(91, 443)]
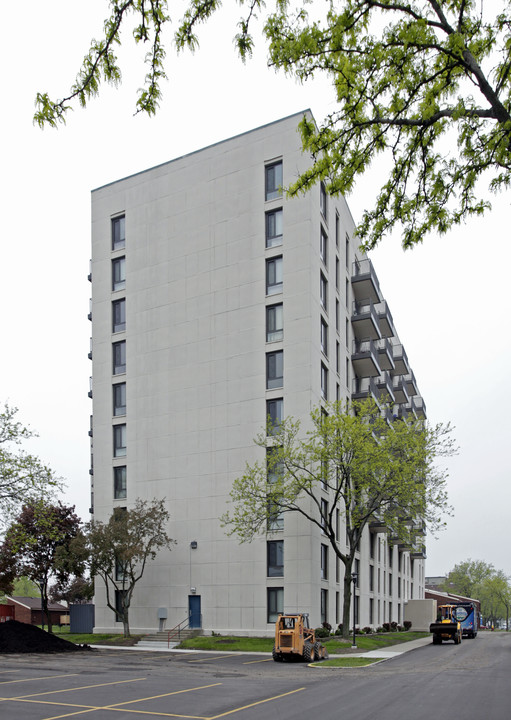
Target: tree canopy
[(23, 477), (352, 464), (120, 549), (423, 84), (480, 580), (37, 545)]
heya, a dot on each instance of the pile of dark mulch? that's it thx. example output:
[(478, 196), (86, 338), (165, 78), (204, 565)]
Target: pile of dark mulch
[(18, 637)]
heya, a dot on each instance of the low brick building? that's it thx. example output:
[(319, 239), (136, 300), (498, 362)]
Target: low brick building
[(28, 610)]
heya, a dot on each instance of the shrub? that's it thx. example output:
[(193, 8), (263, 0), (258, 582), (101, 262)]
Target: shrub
[(400, 628), (386, 627), (379, 629), (327, 626), (339, 629), (367, 630), (322, 632), (394, 626), (407, 624)]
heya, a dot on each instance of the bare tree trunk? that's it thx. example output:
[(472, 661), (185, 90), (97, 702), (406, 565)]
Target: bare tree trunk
[(346, 604)]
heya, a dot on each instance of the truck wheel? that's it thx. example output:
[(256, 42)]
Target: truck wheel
[(437, 640), (276, 656), (308, 652), (318, 650)]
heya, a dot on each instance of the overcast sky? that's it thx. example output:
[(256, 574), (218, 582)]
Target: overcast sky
[(448, 297)]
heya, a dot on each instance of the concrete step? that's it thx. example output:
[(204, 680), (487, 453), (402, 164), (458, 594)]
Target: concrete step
[(161, 638)]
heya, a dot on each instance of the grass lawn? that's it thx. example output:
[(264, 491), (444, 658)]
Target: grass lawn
[(334, 644), (97, 639)]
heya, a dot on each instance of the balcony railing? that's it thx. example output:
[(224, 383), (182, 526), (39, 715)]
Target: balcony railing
[(385, 354), (363, 388), (385, 319), (400, 391), (384, 384), (364, 281), (419, 406), (364, 319), (365, 358)]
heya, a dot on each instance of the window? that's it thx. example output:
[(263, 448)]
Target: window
[(119, 315), (274, 468), (347, 250), (119, 440), (273, 474), (274, 228), (322, 199), (274, 323), (337, 358), (120, 486), (274, 414), (273, 180), (337, 230), (119, 597), (118, 233), (323, 291), (119, 273), (120, 570), (274, 276), (357, 571), (371, 611), (324, 515), (324, 337), (324, 562), (371, 578), (337, 273), (371, 545), (275, 603), (324, 382), (324, 605), (323, 247), (274, 369), (275, 558), (119, 399), (119, 357)]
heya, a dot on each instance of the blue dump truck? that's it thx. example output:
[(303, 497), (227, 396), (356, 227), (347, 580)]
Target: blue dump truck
[(468, 615)]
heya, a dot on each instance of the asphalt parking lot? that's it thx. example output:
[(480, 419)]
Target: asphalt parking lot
[(104, 684)]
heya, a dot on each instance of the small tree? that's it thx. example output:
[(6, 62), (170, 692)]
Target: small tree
[(352, 462), (120, 549), (23, 477), (37, 545)]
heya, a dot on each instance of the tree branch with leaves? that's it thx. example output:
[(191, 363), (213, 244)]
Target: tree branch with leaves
[(423, 85), (23, 477)]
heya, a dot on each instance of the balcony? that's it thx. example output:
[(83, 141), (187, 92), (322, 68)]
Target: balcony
[(90, 388), (89, 316), (363, 388), (377, 526), (364, 320), (385, 319), (385, 355), (418, 553), (400, 391), (365, 358), (400, 359), (419, 406), (384, 383), (89, 354), (411, 384), (401, 412), (364, 281), (90, 427)]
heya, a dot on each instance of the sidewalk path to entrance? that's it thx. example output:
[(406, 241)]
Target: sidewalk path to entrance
[(388, 652)]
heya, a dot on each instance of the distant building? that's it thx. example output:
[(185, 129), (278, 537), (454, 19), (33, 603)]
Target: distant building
[(28, 610), (217, 301)]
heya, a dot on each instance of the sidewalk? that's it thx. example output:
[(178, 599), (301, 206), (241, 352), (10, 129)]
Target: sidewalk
[(386, 653)]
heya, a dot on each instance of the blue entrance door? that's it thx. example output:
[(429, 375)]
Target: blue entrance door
[(194, 611)]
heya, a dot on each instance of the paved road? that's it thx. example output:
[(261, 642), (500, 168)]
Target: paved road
[(467, 682)]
